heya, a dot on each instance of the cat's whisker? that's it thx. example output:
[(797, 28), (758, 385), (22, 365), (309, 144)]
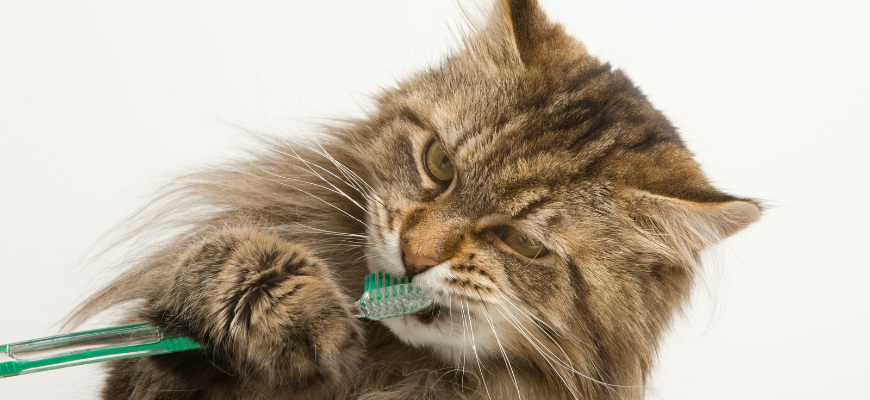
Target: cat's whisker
[(308, 164), (364, 257), (327, 232), (551, 358), (462, 349), (347, 172), (537, 322), (352, 243), (501, 349), (311, 170), (348, 251), (464, 311), (547, 358), (316, 197), (539, 346), (349, 245), (308, 168), (334, 162), (351, 178), (527, 334), (336, 191), (474, 350)]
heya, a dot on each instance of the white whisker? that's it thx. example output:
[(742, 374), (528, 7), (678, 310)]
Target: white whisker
[(551, 358), (351, 178), (316, 197), (309, 169), (501, 348), (345, 171), (333, 233), (335, 163), (548, 358), (332, 189), (474, 350)]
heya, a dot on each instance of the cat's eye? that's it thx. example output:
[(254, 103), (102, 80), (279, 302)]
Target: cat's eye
[(521, 243), (436, 162)]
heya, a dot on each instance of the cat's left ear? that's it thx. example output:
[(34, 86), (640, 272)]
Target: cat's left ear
[(689, 226), (522, 28)]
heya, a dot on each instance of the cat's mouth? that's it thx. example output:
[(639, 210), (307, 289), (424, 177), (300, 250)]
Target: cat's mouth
[(428, 315)]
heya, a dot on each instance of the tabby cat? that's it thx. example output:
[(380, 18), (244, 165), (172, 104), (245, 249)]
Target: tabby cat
[(553, 213)]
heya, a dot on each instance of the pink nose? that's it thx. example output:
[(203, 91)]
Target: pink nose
[(415, 263)]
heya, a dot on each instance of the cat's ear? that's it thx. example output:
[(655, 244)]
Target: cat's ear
[(689, 226), (528, 27), (521, 30)]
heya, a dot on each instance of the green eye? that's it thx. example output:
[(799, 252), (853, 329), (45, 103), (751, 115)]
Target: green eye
[(437, 164), (522, 244)]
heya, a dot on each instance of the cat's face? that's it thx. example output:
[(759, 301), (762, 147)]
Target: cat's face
[(552, 212)]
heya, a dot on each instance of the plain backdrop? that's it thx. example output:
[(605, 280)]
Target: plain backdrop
[(102, 101)]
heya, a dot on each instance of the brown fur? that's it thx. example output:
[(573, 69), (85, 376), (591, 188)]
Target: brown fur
[(543, 137)]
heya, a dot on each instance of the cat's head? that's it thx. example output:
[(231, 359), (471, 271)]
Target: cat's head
[(555, 215)]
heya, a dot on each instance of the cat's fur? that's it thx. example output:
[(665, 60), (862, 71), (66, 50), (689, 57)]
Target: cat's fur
[(544, 138)]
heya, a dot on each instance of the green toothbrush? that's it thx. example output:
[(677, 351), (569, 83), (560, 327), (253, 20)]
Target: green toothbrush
[(384, 297)]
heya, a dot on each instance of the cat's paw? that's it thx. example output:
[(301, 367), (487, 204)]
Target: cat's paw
[(265, 307)]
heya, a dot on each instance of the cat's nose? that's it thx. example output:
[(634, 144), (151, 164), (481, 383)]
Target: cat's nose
[(415, 263)]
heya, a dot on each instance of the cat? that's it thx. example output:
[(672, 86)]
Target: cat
[(553, 213)]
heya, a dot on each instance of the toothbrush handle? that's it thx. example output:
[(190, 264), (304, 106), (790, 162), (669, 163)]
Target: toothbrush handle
[(115, 343)]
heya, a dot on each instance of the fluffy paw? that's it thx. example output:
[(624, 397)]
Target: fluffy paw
[(265, 307)]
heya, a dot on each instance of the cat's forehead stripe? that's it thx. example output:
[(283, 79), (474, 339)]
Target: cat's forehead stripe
[(476, 145), (530, 207), (408, 115)]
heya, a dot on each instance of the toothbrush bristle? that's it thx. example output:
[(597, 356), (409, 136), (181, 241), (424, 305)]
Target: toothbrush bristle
[(387, 296)]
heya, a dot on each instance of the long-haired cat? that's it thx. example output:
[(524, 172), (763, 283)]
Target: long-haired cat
[(553, 213)]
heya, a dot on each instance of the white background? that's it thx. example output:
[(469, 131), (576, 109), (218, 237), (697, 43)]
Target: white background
[(102, 101)]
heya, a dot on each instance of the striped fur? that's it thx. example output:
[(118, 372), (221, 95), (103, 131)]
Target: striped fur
[(267, 254)]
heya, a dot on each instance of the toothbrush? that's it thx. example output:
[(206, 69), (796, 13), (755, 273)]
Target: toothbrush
[(384, 296)]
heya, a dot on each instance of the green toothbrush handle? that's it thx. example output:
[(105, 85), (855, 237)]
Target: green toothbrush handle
[(67, 350), (384, 297)]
